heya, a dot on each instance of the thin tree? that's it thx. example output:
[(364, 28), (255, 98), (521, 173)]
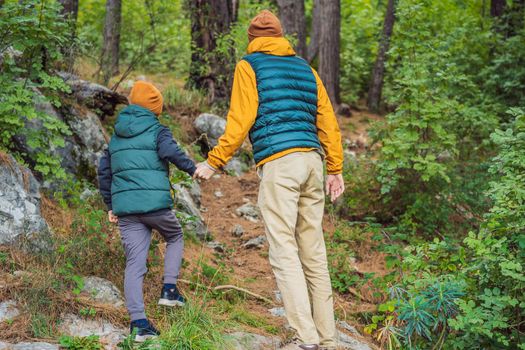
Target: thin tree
[(329, 38), (70, 9), (315, 33), (291, 14), (211, 67), (497, 7), (110, 49), (376, 83)]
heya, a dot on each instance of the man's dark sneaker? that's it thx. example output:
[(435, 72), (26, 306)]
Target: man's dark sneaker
[(143, 330), (171, 296)]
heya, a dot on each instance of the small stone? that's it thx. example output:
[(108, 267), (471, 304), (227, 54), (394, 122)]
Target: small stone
[(257, 242), (277, 311), (237, 230), (218, 194), (86, 194), (21, 274), (8, 310), (102, 290), (278, 296), (248, 211), (217, 246)]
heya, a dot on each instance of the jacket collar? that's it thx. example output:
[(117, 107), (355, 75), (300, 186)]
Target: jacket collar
[(272, 46)]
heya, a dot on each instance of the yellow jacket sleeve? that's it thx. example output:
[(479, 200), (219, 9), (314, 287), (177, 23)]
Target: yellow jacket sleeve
[(328, 130), (241, 116)]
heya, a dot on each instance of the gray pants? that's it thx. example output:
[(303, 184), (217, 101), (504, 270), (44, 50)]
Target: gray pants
[(135, 231)]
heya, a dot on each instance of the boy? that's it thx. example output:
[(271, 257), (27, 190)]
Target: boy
[(134, 182)]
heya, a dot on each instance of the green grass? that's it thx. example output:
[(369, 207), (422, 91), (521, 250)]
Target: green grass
[(192, 328), (184, 101)]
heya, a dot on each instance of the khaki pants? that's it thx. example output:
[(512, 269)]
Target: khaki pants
[(291, 199)]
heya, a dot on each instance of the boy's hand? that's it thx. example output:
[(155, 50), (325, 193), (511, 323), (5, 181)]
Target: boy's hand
[(204, 171), (335, 186), (112, 218)]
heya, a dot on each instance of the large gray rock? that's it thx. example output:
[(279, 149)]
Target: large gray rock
[(188, 202), (20, 205), (236, 167), (109, 334), (8, 310), (82, 149), (212, 125), (100, 99), (102, 291), (33, 346), (251, 341)]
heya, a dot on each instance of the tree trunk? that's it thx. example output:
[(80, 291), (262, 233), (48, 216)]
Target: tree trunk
[(313, 47), (211, 68), (291, 14), (329, 37), (376, 84), (110, 49), (70, 9), (497, 7)]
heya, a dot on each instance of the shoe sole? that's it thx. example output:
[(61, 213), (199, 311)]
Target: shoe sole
[(143, 338), (167, 302)]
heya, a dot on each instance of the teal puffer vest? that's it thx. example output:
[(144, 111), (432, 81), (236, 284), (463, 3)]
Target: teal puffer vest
[(287, 112), (140, 182)]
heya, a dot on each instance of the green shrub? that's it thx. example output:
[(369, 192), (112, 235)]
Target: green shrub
[(442, 120), (493, 313), (80, 343), (32, 37)]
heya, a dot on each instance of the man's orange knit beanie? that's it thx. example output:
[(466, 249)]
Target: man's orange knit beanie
[(265, 24), (146, 95)]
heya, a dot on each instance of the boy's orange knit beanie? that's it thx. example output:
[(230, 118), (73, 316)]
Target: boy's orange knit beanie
[(265, 24), (146, 95)]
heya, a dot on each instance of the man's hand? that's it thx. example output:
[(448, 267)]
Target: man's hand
[(335, 186), (204, 171), (112, 218)]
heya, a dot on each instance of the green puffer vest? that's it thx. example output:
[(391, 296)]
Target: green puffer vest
[(140, 182), (287, 113)]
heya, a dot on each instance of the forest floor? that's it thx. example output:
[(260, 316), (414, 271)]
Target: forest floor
[(204, 265)]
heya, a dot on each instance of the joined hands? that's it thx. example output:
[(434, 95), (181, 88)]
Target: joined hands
[(204, 171)]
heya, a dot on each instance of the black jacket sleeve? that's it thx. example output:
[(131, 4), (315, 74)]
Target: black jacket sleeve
[(104, 178), (168, 150)]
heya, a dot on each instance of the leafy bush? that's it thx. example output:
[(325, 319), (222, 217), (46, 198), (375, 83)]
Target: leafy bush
[(33, 34), (441, 119), (471, 293), (493, 313)]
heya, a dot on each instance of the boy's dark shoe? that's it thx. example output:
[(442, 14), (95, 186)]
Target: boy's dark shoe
[(143, 330), (170, 296)]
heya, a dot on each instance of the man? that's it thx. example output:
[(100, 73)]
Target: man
[(279, 100)]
